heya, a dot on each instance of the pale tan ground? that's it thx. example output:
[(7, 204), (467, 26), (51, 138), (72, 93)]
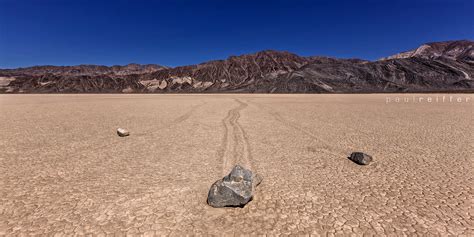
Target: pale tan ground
[(64, 170)]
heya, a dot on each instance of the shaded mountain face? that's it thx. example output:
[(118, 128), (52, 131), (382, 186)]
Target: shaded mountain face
[(442, 66), (399, 75)]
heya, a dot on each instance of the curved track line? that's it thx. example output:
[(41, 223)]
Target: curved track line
[(175, 121), (242, 139), (186, 116), (226, 144), (235, 147)]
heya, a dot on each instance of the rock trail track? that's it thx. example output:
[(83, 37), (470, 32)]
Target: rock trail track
[(64, 171), (323, 145), (185, 116), (235, 147)]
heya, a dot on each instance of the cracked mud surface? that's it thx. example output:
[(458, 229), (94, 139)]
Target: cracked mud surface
[(63, 169)]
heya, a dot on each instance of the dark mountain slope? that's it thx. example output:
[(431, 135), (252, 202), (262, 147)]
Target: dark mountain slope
[(400, 75), (442, 66)]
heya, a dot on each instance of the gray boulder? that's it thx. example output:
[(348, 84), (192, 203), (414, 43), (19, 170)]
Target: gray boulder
[(234, 190), (361, 158)]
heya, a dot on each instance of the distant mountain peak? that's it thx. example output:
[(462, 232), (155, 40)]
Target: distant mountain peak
[(266, 53), (455, 49)]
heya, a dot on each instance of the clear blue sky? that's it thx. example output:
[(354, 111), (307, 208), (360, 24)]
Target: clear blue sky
[(181, 32)]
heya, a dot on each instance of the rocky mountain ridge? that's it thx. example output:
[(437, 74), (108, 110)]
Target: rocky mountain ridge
[(441, 66), (456, 50), (79, 70)]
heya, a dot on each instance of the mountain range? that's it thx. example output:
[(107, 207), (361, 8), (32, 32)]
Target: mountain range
[(433, 67)]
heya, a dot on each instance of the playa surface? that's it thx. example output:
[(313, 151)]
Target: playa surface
[(64, 170)]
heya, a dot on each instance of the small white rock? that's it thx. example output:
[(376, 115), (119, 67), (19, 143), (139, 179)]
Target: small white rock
[(122, 132)]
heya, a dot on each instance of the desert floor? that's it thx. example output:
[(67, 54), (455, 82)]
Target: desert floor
[(64, 170)]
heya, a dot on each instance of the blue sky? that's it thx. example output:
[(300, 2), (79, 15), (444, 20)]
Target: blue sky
[(181, 32)]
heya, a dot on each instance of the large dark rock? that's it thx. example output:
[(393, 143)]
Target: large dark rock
[(361, 158), (234, 190)]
